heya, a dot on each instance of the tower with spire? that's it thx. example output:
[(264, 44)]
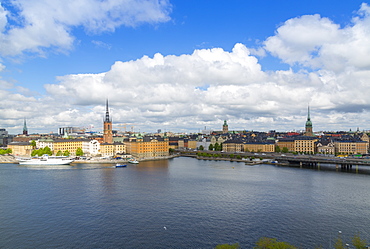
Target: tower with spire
[(107, 127), (25, 130), (309, 131), (225, 128)]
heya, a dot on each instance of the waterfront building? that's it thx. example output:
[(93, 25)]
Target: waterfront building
[(147, 147), (233, 145), (325, 146), (259, 147), (309, 131), (304, 144), (45, 142), (20, 148), (70, 145), (225, 128), (286, 142), (107, 127), (348, 147)]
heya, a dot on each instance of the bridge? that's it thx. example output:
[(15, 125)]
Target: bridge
[(293, 160), (314, 161)]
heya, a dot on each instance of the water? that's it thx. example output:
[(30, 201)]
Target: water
[(201, 204)]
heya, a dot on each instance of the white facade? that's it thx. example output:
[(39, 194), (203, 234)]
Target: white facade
[(42, 143), (91, 147)]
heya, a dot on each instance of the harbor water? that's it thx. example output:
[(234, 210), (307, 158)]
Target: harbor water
[(180, 203)]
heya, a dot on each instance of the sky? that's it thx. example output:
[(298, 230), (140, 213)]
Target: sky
[(184, 65)]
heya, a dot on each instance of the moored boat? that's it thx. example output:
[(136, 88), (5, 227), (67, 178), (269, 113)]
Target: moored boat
[(46, 160), (118, 165), (134, 161)]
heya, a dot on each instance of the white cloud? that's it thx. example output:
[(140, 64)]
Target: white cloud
[(191, 91), (317, 42), (43, 24)]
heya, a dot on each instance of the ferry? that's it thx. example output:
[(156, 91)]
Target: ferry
[(46, 160)]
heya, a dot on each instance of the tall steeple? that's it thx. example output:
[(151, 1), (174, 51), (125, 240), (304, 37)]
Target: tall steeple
[(107, 114), (107, 132), (309, 131), (25, 131)]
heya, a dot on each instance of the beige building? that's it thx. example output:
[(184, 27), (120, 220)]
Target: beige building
[(351, 147), (305, 145), (259, 147), (20, 148), (148, 147)]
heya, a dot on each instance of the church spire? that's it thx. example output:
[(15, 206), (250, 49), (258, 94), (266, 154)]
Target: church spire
[(309, 131), (107, 119), (25, 131)]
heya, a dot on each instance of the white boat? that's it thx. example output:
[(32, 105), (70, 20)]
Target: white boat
[(134, 161), (46, 160)]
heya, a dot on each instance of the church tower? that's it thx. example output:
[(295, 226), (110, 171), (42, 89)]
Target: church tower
[(225, 128), (25, 131), (107, 132), (308, 132)]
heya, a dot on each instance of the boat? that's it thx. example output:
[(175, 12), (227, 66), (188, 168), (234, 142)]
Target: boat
[(134, 161), (118, 165), (46, 160)]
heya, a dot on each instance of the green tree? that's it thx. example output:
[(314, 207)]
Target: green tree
[(59, 153), (66, 153), (171, 151), (47, 150), (217, 147), (272, 243), (227, 246), (201, 147), (285, 150), (79, 152), (277, 149), (33, 144), (357, 242), (210, 147)]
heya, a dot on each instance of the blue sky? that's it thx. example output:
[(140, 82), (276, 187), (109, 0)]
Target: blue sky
[(256, 64)]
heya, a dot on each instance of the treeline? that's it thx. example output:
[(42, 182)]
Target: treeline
[(7, 151), (47, 151), (272, 243), (219, 155)]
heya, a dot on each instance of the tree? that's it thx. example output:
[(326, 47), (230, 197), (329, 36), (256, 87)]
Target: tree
[(217, 147), (79, 152), (285, 150), (358, 242), (201, 147), (66, 153), (227, 246), (59, 153), (47, 150), (171, 151), (210, 147), (277, 149), (272, 243), (33, 144)]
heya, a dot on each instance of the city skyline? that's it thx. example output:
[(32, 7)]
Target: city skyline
[(184, 65)]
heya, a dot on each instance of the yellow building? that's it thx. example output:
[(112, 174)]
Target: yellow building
[(233, 145), (351, 147), (70, 145), (107, 149), (20, 148), (259, 147), (148, 147), (286, 143), (305, 144), (192, 144)]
